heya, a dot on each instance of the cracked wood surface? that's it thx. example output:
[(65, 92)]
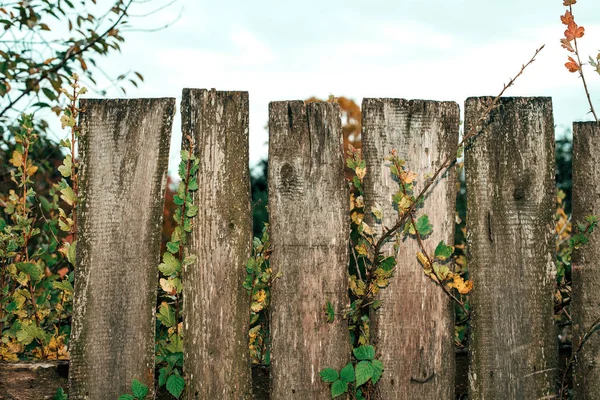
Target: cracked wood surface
[(216, 310), (124, 149), (308, 204), (586, 261), (414, 328), (511, 192)]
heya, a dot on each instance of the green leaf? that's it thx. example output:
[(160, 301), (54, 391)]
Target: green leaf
[(166, 315), (139, 389), (60, 394), (191, 211), (330, 312), (193, 185), (377, 211), (347, 373), (33, 270), (423, 225), (364, 353), (189, 260), (364, 372), (66, 167), (329, 375), (29, 333), (170, 265), (68, 195), (175, 385), (377, 371), (184, 155), (173, 247), (63, 285), (443, 252), (126, 397), (388, 263), (162, 376), (71, 253), (338, 388)]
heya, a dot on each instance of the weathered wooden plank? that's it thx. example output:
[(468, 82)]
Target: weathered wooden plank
[(414, 328), (124, 153), (308, 204), (32, 380), (510, 236), (215, 306), (586, 261)]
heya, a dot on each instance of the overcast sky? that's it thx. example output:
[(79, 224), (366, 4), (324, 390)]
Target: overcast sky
[(426, 49)]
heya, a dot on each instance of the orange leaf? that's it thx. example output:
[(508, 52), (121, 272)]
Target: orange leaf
[(567, 18), (567, 45), (572, 65), (62, 272), (569, 2), (573, 31)]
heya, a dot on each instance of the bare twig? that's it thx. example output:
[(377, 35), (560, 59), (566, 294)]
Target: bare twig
[(450, 159), (587, 93)]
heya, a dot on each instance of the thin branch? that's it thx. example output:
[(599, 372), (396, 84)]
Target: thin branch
[(587, 93), (69, 56), (450, 159)]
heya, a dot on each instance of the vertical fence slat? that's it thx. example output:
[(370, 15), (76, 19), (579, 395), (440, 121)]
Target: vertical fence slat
[(510, 236), (414, 328), (124, 153), (216, 308), (308, 207), (586, 262)]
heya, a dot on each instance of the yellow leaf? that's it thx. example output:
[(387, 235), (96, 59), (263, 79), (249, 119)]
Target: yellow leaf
[(408, 176), (359, 202), (423, 259), (460, 284), (167, 285), (31, 170), (17, 159), (367, 229), (360, 172), (357, 217), (260, 296), (256, 307), (362, 250)]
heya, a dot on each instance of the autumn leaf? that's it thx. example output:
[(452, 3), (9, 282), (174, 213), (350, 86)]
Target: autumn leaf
[(567, 45), (360, 172), (408, 176), (567, 18), (460, 284), (572, 65), (17, 159), (574, 31)]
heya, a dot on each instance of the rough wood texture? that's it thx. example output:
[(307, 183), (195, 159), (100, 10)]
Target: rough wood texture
[(308, 203), (510, 236), (32, 381), (216, 307), (586, 261), (124, 153), (414, 329)]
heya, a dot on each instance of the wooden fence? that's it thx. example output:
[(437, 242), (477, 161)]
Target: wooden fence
[(509, 172)]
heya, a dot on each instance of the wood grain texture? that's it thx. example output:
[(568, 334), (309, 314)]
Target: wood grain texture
[(124, 149), (511, 196), (308, 204), (216, 309), (32, 380), (413, 330), (586, 261)]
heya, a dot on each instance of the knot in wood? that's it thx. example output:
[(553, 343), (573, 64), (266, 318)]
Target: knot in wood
[(288, 179)]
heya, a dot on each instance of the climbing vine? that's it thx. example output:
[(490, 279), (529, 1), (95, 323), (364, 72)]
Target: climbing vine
[(169, 349)]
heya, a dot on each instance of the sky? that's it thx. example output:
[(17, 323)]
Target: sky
[(412, 49)]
